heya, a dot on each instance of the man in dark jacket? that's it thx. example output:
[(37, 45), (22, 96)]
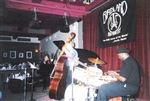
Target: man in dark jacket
[(128, 79)]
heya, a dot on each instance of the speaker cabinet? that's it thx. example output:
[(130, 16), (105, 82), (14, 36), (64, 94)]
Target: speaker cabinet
[(15, 85), (64, 25)]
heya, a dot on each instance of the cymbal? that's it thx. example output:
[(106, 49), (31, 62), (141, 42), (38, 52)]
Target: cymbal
[(96, 61)]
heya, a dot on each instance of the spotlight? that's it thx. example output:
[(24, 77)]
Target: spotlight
[(35, 22), (87, 2), (64, 24)]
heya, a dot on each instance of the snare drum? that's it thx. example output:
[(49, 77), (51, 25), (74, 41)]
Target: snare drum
[(94, 72), (80, 75), (79, 93)]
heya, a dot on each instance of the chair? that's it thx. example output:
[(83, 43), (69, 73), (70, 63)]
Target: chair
[(131, 97)]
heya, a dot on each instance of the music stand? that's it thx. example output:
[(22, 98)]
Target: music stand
[(25, 93), (59, 44), (32, 85)]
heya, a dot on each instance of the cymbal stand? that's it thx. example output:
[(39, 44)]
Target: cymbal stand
[(77, 60), (88, 98), (72, 84)]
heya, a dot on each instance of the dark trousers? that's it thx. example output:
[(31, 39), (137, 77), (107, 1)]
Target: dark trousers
[(45, 78), (114, 89), (68, 76)]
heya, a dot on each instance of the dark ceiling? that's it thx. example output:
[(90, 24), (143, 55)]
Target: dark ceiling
[(18, 15)]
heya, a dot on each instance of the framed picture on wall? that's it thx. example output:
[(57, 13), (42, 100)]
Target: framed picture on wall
[(12, 54), (21, 55), (29, 54), (4, 55), (52, 55)]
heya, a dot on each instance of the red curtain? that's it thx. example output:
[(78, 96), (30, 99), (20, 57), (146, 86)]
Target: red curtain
[(140, 48)]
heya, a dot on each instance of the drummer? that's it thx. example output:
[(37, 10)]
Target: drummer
[(127, 81)]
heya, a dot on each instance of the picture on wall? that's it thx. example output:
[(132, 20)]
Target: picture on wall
[(4, 55), (21, 55), (12, 54), (52, 55), (29, 54)]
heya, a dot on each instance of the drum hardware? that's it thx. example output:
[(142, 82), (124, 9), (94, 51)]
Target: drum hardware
[(88, 95), (88, 98), (90, 82), (80, 75), (93, 81), (72, 84), (88, 89), (94, 72), (80, 93), (85, 77), (72, 96)]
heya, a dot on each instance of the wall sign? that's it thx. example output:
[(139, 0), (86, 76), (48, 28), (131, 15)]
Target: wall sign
[(117, 24)]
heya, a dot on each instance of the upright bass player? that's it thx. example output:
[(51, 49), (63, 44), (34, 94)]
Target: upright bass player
[(63, 73)]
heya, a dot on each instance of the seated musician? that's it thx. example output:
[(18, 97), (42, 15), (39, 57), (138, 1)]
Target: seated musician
[(43, 70), (127, 80)]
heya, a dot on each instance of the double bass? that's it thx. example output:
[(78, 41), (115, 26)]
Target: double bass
[(58, 83)]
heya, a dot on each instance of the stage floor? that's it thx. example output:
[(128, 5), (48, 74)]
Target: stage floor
[(37, 95)]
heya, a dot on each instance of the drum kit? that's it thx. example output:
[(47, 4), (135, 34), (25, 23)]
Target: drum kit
[(87, 82)]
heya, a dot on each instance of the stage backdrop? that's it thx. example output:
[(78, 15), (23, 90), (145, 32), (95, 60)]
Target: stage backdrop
[(117, 24)]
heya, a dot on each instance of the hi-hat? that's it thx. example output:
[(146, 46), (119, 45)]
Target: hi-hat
[(96, 61)]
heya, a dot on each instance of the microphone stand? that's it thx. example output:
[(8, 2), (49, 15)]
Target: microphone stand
[(32, 66), (32, 81), (25, 72)]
